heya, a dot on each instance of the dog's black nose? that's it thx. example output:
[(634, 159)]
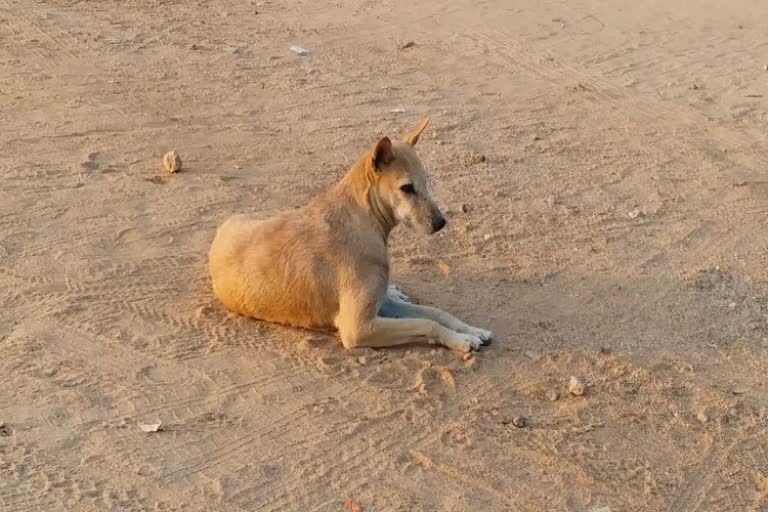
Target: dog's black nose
[(438, 223)]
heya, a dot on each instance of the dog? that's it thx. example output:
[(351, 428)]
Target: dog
[(326, 265)]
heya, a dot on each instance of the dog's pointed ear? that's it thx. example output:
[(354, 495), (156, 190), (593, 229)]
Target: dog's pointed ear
[(381, 155), (413, 137)]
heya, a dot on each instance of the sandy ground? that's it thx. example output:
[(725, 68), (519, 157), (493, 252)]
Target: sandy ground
[(615, 231)]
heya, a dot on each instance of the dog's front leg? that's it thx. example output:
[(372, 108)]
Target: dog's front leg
[(360, 325), (396, 308), (389, 332)]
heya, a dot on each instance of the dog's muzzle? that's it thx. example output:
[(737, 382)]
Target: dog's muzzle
[(438, 223)]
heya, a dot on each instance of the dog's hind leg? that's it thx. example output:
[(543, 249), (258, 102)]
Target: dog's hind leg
[(394, 292), (396, 308)]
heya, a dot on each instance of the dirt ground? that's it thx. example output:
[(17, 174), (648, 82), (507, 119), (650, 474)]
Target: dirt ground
[(615, 230)]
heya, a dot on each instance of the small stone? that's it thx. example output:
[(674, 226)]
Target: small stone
[(464, 208), (535, 138), (409, 44), (694, 87), (193, 46), (702, 416), (732, 305), (552, 395), (577, 386), (234, 51), (519, 421), (299, 50), (362, 360), (487, 236), (149, 428), (765, 67), (468, 356), (635, 213), (2, 424), (473, 158), (172, 162)]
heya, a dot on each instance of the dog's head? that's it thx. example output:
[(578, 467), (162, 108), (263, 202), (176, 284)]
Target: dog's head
[(402, 183)]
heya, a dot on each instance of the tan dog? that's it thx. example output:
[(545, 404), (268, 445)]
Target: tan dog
[(327, 265)]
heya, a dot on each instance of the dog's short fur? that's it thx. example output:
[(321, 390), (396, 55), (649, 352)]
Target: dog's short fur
[(326, 265)]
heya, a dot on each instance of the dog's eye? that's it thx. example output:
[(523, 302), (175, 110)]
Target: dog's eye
[(408, 188)]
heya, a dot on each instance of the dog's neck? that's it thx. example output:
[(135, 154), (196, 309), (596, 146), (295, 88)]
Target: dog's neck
[(360, 186)]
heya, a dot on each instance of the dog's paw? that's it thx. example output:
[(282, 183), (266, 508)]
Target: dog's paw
[(394, 292), (484, 335), (463, 342)]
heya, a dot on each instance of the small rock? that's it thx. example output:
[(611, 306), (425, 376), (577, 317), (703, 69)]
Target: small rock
[(535, 138), (193, 46), (702, 416), (234, 51), (635, 213), (299, 50), (765, 67), (151, 427), (362, 360), (694, 87), (2, 424), (732, 305), (552, 395), (172, 162), (468, 356), (487, 236), (519, 421), (577, 386), (352, 506), (472, 158), (409, 44), (464, 208)]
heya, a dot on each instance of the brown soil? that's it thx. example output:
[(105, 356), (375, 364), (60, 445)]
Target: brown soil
[(603, 165)]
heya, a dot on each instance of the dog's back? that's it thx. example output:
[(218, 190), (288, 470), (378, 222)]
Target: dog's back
[(287, 269), (266, 269)]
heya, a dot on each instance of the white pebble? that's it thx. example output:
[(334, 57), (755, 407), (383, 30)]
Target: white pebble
[(577, 386)]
